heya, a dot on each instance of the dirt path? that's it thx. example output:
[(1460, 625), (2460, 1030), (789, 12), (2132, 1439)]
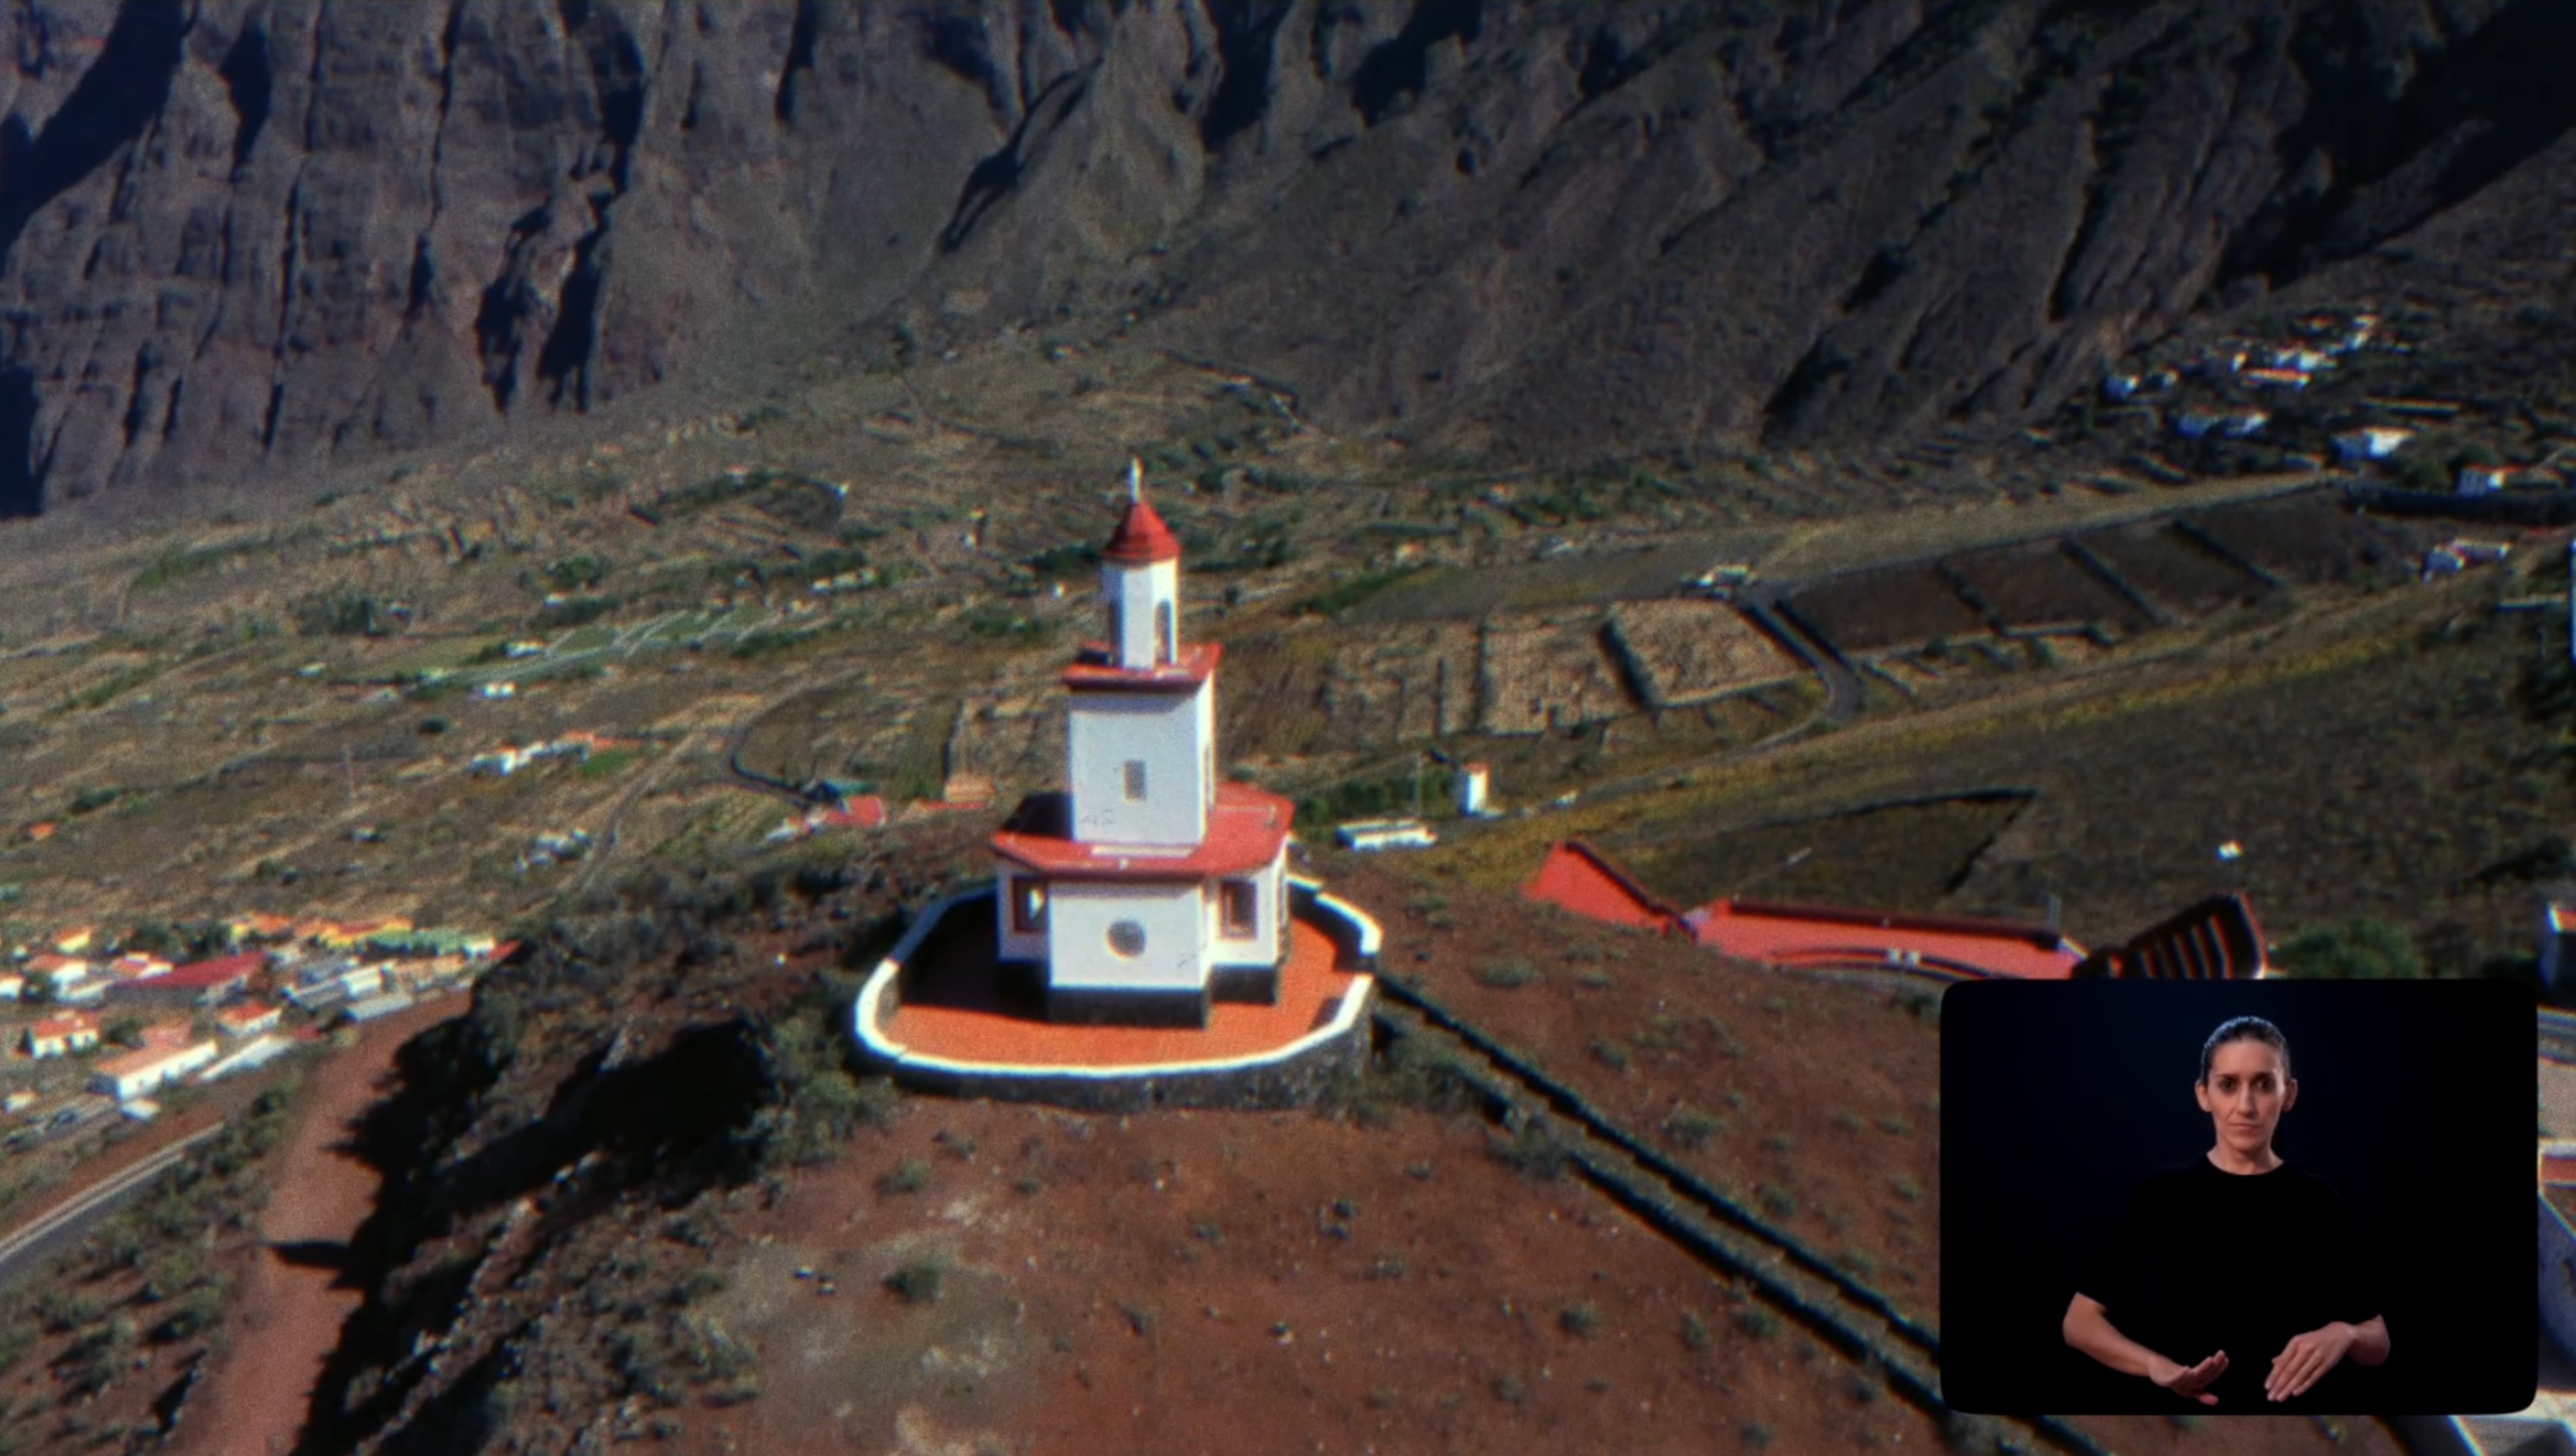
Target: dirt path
[(286, 1317)]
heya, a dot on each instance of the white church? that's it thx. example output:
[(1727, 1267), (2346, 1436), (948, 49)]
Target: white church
[(1149, 888)]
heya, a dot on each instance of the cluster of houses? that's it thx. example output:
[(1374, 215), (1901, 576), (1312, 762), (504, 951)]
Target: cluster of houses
[(2323, 338), (318, 967), (508, 759)]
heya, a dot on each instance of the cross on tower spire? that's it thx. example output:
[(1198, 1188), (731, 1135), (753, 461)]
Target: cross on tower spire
[(1135, 480)]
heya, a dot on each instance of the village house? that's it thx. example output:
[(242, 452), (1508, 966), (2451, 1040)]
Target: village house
[(199, 983), (68, 977), (13, 986), (1470, 790), (72, 942), (259, 927), (246, 1019), (2194, 424), (343, 937), (2376, 442), (137, 966), (57, 1036), (167, 1054), (2276, 378), (2482, 479)]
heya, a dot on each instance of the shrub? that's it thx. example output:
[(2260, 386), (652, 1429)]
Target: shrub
[(909, 1176), (1695, 1332), (1609, 1054), (1907, 1189), (1579, 1320), (918, 1282), (1757, 1435), (2361, 950), (1532, 1152), (1780, 1202), (1758, 1322), (1689, 1127)]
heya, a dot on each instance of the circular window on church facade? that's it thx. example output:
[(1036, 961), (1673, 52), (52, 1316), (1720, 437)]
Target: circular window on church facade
[(1127, 938)]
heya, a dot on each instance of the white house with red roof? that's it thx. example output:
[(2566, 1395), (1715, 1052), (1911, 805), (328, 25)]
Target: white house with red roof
[(58, 1036), (1147, 888), (247, 1019), (167, 1054)]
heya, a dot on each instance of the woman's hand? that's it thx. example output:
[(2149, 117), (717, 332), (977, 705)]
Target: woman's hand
[(2188, 1381), (2306, 1359)]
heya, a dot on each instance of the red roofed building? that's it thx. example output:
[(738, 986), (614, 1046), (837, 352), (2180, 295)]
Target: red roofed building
[(1583, 880), (1146, 889), (1826, 936), (210, 981), (167, 1054), (246, 1019), (57, 1036)]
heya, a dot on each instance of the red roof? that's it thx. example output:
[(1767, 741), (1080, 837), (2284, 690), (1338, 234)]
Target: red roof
[(1142, 538), (1827, 935), (53, 1027), (865, 812), (245, 1014), (205, 975), (1097, 667), (1245, 829), (1583, 880)]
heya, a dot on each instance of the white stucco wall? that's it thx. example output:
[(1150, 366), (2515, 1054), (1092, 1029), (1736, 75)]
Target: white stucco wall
[(1176, 948), (1138, 590), (1270, 915), (1013, 946), (1105, 728)]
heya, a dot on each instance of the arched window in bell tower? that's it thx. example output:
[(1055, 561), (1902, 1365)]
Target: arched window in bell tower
[(1117, 628), (1162, 632)]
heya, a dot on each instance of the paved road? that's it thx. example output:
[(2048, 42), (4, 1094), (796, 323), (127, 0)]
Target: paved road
[(1762, 602), (65, 1224)]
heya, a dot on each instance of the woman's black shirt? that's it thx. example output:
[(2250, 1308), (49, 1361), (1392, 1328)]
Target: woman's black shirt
[(2206, 1260)]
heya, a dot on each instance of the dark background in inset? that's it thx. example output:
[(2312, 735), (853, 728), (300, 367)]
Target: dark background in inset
[(2416, 1100)]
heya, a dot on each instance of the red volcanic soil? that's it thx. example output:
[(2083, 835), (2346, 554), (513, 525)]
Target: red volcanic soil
[(1270, 1283), (1248, 1282), (1812, 1101), (286, 1318)]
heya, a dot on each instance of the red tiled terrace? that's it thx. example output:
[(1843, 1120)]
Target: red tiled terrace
[(958, 1004)]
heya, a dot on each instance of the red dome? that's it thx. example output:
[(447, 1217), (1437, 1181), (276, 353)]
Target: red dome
[(1142, 538)]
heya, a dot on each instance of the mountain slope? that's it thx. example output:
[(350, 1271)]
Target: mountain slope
[(255, 239)]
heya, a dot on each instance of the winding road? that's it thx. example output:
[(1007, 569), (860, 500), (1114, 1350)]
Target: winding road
[(67, 1223)]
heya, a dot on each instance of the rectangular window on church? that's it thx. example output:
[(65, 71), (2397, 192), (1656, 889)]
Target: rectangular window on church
[(1238, 908), (1028, 908), (1135, 781)]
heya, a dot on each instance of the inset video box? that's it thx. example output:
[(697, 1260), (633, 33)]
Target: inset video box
[(2256, 1197)]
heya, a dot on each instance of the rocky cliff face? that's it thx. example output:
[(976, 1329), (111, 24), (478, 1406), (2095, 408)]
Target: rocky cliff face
[(246, 238)]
